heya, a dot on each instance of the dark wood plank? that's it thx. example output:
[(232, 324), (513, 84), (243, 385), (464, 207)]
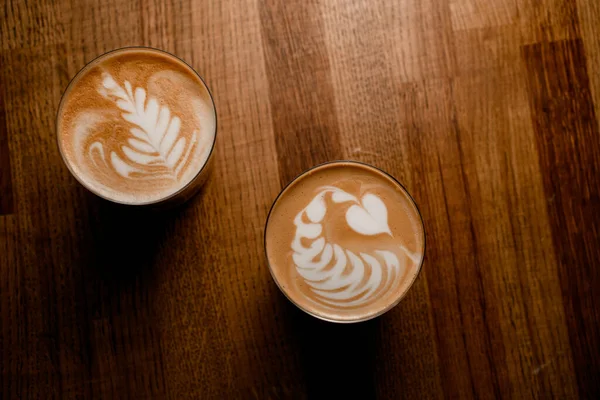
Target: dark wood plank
[(38, 252), (12, 348), (569, 155), (508, 220), (300, 88), (547, 20), (587, 12), (6, 189)]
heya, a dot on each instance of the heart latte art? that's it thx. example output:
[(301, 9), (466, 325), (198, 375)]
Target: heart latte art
[(136, 126), (344, 241), (339, 276)]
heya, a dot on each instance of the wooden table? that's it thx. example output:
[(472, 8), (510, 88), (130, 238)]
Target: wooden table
[(487, 110)]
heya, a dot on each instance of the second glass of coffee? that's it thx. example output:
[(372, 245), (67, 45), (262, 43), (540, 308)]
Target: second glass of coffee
[(344, 241)]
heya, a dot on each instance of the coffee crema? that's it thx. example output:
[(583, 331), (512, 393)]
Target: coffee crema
[(344, 241), (136, 126)]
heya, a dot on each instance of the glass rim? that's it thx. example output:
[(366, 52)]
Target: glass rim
[(378, 312), (80, 73)]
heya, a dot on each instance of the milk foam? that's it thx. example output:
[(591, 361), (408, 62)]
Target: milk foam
[(155, 134), (141, 140), (370, 275)]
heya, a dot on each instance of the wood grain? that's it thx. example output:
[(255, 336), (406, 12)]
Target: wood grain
[(486, 110), (567, 139), (6, 197), (300, 88)]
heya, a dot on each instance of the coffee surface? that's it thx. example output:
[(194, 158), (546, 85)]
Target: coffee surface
[(344, 241), (136, 125)]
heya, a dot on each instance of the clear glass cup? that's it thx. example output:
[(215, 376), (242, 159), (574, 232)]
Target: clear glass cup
[(289, 281), (178, 194)]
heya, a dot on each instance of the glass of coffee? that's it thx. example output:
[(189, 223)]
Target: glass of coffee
[(137, 126), (344, 241)]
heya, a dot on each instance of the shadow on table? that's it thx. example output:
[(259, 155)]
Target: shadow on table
[(125, 242), (338, 360)]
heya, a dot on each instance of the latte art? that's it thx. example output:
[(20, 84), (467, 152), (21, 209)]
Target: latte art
[(155, 136), (344, 241), (137, 126), (339, 276)]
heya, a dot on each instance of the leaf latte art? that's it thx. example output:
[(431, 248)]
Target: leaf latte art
[(155, 135), (137, 126), (337, 275)]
